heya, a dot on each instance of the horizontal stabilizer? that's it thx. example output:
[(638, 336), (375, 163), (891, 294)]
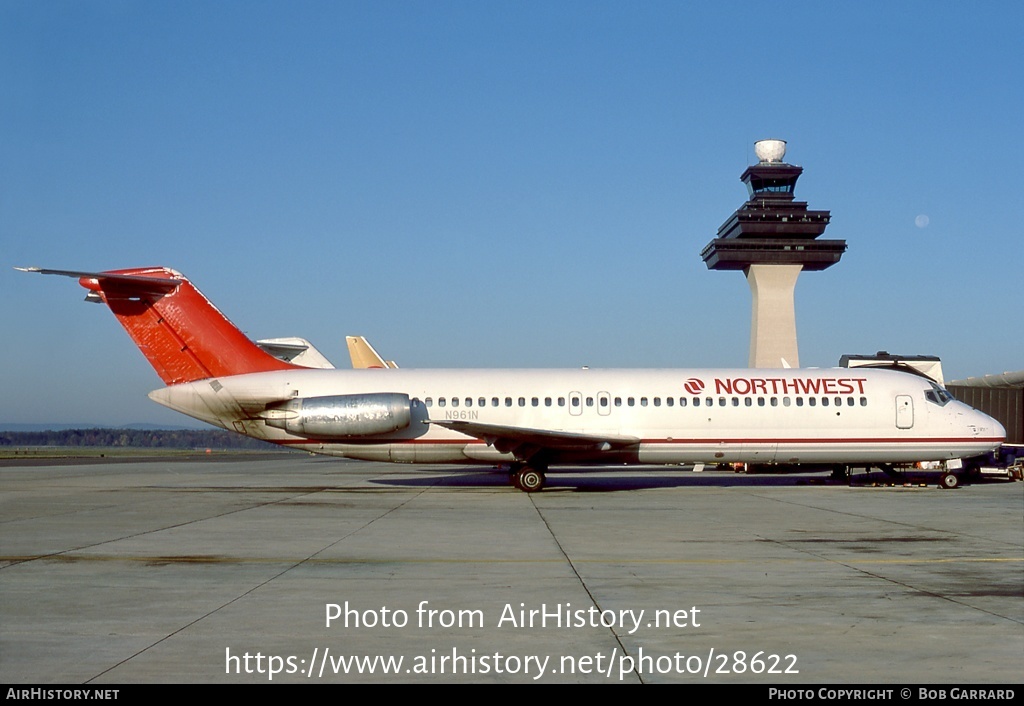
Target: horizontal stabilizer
[(112, 281)]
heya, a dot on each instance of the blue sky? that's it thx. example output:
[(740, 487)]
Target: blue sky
[(494, 184)]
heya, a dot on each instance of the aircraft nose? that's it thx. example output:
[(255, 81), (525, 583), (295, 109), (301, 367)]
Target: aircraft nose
[(999, 430), (988, 426)]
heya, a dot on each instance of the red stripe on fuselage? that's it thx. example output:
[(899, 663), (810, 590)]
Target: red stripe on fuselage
[(468, 442)]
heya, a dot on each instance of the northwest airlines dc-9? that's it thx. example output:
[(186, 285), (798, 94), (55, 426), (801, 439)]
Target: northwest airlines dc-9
[(532, 419)]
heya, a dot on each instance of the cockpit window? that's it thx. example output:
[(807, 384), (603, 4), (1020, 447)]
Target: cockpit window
[(938, 395)]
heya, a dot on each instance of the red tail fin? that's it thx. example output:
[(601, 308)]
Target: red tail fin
[(180, 332)]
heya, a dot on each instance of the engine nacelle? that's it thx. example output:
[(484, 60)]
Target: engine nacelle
[(342, 415)]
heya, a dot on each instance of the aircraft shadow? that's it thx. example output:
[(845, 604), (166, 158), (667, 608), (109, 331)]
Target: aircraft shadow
[(604, 481)]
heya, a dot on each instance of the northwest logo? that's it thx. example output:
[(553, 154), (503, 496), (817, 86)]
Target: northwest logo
[(694, 386)]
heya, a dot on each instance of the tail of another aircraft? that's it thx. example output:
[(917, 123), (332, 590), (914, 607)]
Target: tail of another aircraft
[(180, 332), (364, 356)]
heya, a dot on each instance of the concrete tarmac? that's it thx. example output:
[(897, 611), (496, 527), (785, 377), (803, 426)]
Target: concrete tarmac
[(226, 569)]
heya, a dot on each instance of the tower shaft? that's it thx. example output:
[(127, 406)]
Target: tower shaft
[(773, 342)]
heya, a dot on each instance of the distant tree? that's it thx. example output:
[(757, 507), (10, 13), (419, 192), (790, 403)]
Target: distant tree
[(134, 438)]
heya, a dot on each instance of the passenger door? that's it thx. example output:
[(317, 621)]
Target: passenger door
[(904, 411)]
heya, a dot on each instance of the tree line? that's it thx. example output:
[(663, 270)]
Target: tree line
[(134, 438)]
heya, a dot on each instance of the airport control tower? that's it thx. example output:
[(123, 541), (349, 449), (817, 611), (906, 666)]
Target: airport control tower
[(772, 238)]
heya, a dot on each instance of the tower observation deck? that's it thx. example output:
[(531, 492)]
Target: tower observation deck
[(772, 238)]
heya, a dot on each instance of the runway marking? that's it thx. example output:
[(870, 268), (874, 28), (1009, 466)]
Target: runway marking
[(290, 565), (583, 583)]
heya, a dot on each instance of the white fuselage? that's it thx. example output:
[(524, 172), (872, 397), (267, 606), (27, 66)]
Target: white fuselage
[(798, 416)]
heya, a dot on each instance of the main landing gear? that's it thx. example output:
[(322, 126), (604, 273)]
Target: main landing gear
[(528, 479), (841, 473)]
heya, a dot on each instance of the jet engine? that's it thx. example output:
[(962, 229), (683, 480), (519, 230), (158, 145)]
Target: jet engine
[(341, 415)]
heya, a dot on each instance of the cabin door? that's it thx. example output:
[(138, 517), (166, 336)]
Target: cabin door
[(904, 411)]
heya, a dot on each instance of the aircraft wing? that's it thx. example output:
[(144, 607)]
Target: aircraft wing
[(525, 443)]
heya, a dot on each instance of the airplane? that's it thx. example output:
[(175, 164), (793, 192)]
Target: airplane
[(532, 419), (303, 353), (297, 351)]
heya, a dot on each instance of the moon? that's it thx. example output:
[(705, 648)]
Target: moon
[(921, 221)]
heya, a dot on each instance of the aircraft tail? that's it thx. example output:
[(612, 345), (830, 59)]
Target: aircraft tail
[(363, 354), (180, 332)]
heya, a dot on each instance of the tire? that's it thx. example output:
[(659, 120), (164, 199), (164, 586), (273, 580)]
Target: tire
[(949, 481), (531, 480)]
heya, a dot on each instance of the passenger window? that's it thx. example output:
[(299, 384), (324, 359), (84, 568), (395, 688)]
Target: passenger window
[(721, 401), (522, 401), (547, 401), (657, 401), (469, 401), (618, 401), (590, 401), (455, 402), (670, 401), (508, 401), (760, 402), (748, 401), (535, 402), (863, 401), (630, 401), (561, 401), (643, 401), (494, 401), (429, 402), (824, 402), (441, 402)]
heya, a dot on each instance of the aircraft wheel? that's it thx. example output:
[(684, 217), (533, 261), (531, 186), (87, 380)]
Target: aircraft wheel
[(949, 481), (531, 480)]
